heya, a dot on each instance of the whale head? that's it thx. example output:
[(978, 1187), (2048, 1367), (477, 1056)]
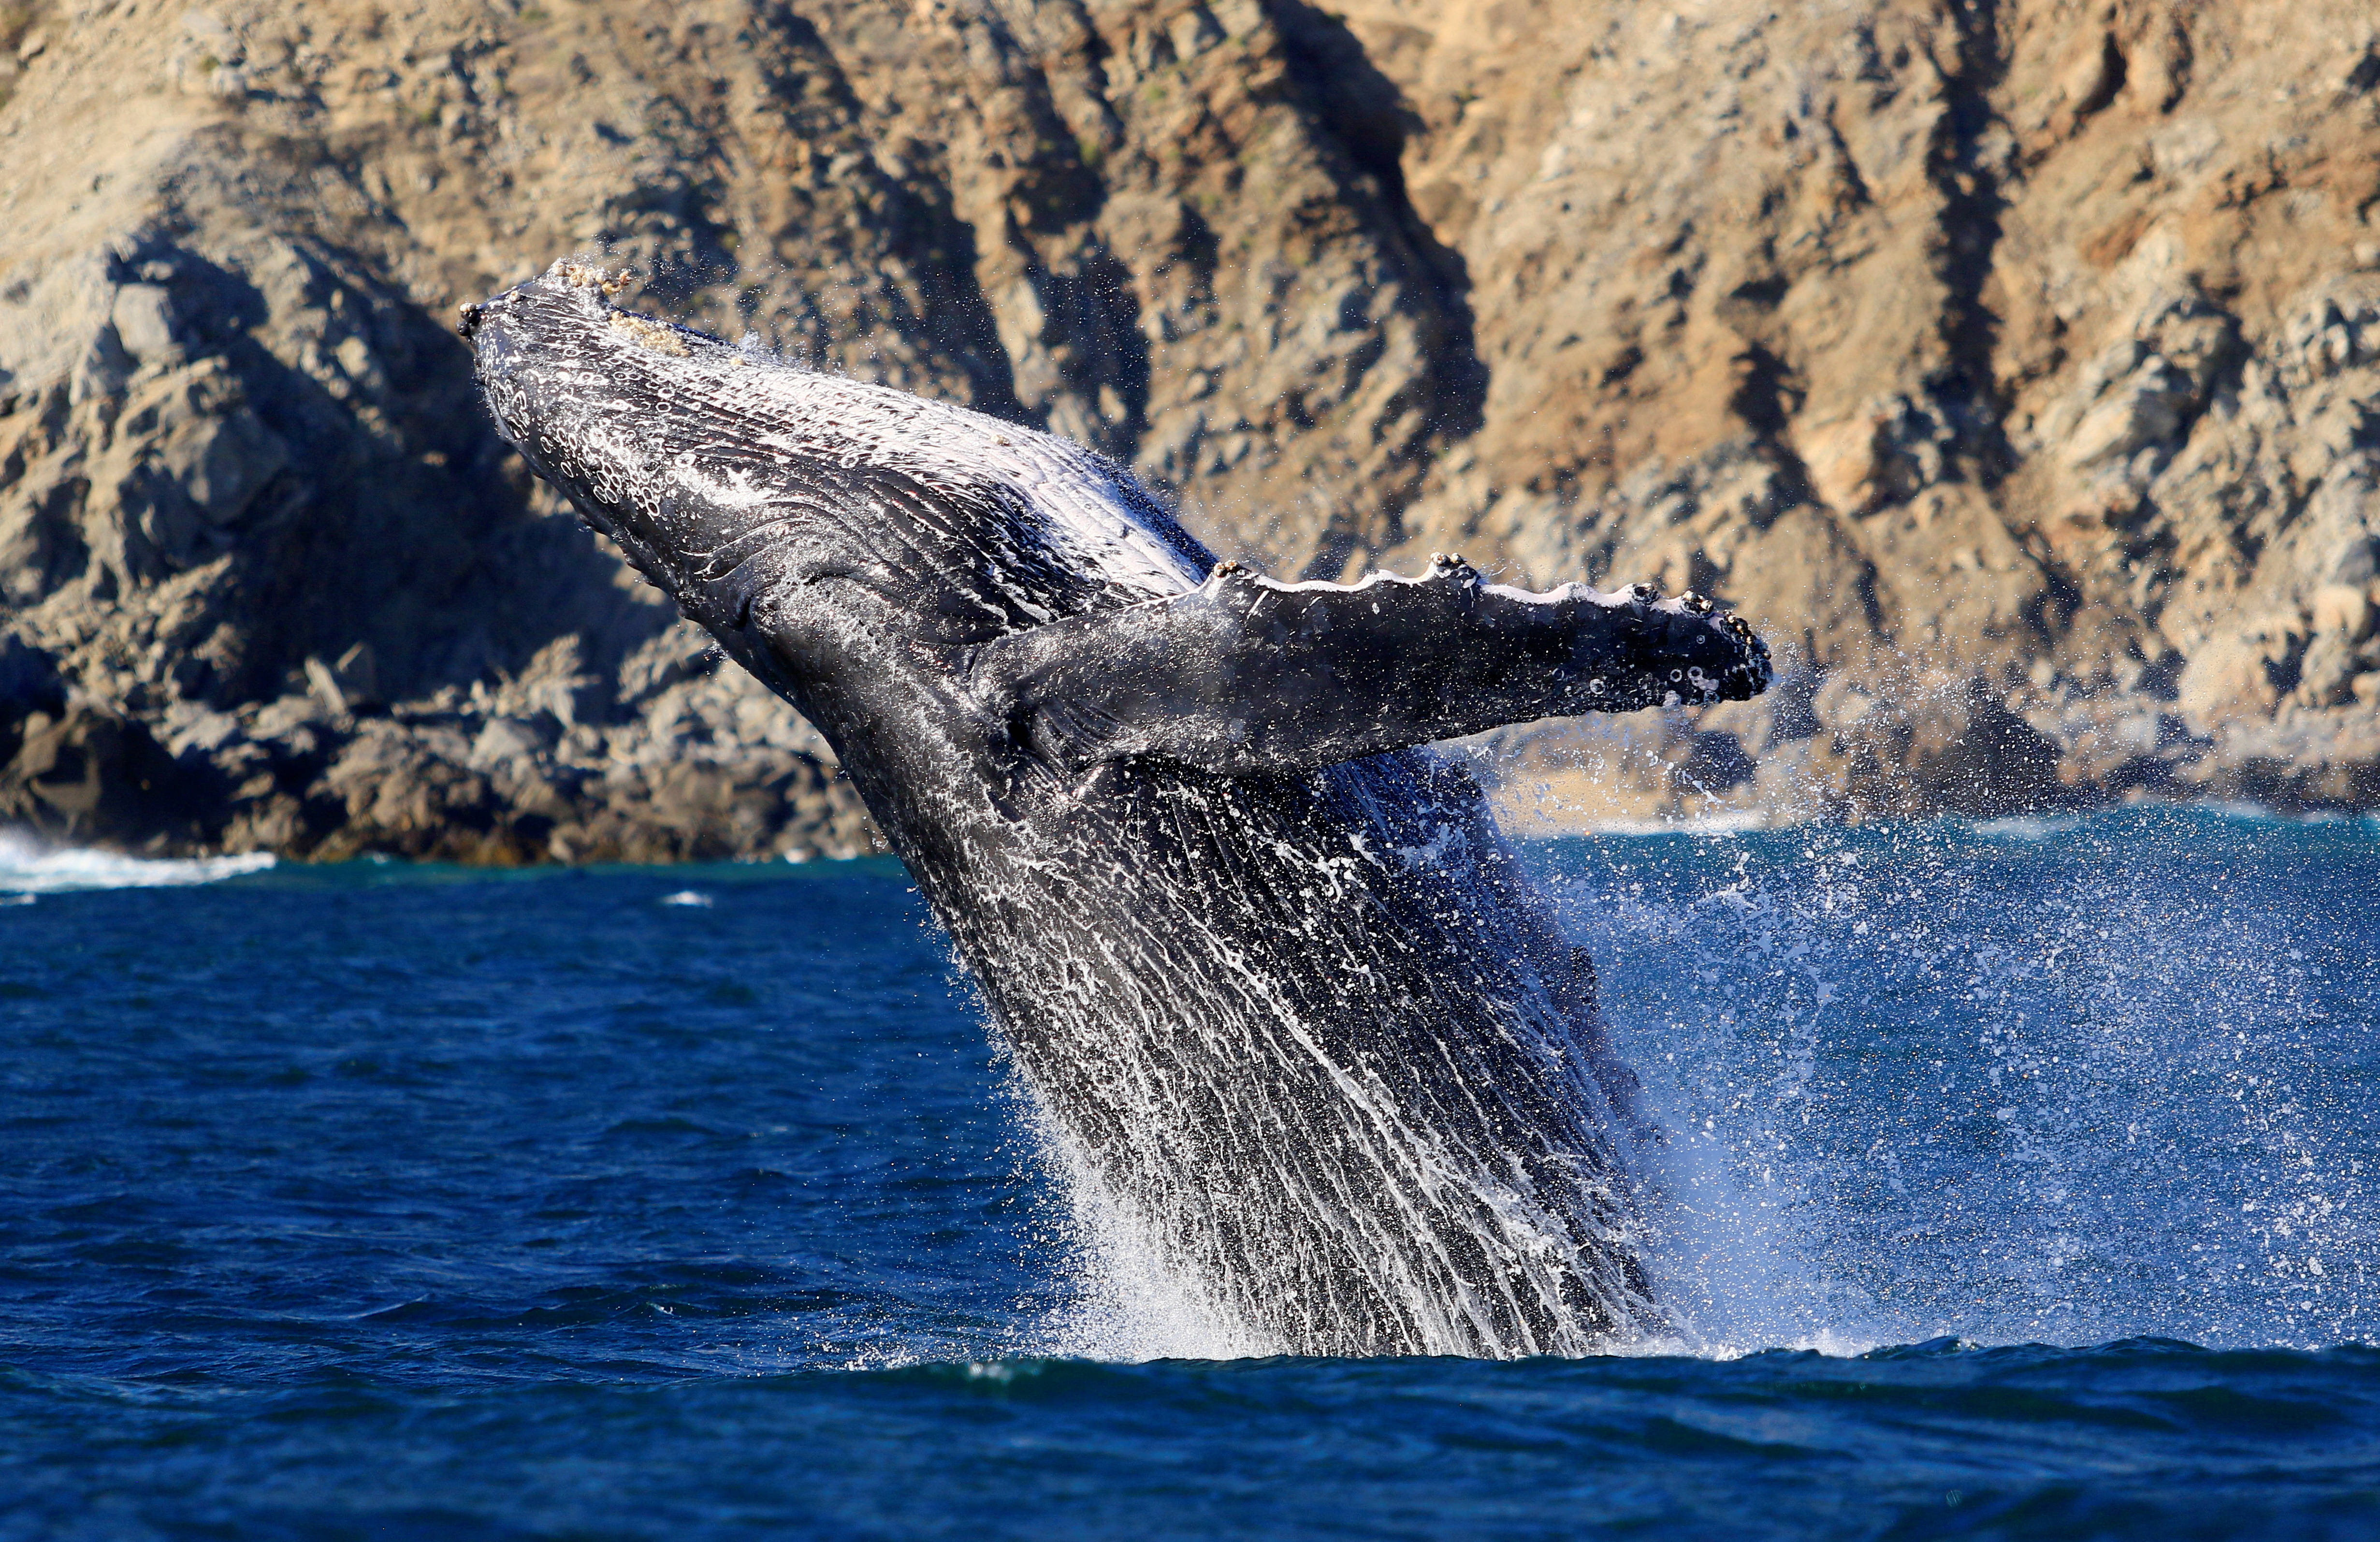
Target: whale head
[(720, 470)]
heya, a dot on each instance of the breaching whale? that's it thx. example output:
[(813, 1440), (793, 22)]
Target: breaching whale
[(1306, 1037)]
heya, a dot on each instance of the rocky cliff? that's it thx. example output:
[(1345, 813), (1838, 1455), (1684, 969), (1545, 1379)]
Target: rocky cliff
[(2015, 366)]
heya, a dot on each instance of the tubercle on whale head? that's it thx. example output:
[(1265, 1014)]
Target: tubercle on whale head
[(548, 353), (600, 281)]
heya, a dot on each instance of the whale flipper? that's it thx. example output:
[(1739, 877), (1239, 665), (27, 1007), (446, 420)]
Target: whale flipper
[(1245, 676)]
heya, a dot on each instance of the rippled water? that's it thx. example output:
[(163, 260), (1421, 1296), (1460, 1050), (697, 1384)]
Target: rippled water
[(406, 1202)]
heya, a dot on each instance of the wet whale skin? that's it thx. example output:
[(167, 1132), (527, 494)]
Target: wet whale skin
[(1320, 1067)]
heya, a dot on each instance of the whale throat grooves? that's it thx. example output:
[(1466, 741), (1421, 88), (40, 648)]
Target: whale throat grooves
[(1318, 1067)]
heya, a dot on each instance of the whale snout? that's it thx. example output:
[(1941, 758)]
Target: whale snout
[(600, 422), (552, 370), (492, 328)]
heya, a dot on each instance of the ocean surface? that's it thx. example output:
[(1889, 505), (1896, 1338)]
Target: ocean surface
[(2019, 1176)]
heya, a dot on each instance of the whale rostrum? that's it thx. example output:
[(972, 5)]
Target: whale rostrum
[(1321, 1071)]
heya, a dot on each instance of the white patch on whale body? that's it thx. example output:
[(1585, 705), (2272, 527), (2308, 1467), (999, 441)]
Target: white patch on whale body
[(1564, 594), (1089, 520)]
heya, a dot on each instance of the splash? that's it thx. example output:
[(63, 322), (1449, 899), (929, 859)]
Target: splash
[(30, 867), (2071, 1083), (2070, 1080)]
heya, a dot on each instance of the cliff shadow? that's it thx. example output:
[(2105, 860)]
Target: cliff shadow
[(1366, 115)]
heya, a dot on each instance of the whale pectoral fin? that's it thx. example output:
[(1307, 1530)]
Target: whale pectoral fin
[(1246, 676)]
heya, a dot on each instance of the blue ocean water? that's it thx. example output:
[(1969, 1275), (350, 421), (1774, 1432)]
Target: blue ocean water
[(2018, 1174)]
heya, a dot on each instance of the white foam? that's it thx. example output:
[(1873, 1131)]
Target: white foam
[(29, 866), (693, 897)]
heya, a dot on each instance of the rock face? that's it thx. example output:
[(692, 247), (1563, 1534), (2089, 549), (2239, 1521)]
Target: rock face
[(2014, 365), (2024, 358)]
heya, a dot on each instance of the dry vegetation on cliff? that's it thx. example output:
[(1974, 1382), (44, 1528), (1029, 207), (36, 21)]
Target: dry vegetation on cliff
[(2014, 365)]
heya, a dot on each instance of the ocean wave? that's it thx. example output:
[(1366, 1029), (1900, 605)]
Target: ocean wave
[(2021, 828), (2239, 812), (29, 866)]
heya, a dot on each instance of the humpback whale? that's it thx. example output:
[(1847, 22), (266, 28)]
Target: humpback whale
[(1309, 1039)]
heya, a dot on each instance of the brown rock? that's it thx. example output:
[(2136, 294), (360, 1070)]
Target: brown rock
[(90, 777)]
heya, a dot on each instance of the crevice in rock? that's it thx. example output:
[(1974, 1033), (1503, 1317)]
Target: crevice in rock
[(2366, 73), (1766, 396), (959, 320), (2113, 70), (915, 212), (1087, 344), (1958, 163)]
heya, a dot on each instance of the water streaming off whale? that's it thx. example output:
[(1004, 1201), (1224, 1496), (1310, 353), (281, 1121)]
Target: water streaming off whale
[(1946, 1080), (1436, 1184)]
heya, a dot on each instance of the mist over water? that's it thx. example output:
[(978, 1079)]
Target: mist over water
[(396, 1200)]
